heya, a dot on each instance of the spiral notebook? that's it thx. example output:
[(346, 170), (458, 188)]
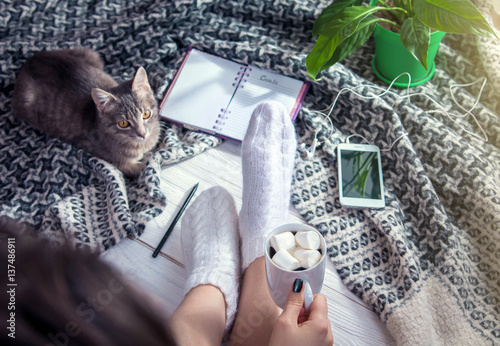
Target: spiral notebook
[(217, 96)]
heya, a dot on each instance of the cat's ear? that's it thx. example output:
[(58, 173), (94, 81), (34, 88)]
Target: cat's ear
[(140, 84), (102, 99)]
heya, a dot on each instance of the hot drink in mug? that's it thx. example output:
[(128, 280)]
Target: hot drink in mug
[(294, 251)]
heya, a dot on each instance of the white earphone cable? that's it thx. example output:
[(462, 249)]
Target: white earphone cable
[(408, 95), (452, 116)]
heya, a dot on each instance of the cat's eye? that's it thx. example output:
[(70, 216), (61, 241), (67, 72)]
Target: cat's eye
[(146, 114), (123, 124)]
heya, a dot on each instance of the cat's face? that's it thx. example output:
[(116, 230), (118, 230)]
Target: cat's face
[(138, 128), (132, 122), (129, 112)]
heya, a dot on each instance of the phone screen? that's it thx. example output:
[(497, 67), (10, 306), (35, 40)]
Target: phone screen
[(360, 174)]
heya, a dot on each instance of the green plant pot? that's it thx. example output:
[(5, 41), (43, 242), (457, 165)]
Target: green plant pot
[(392, 58)]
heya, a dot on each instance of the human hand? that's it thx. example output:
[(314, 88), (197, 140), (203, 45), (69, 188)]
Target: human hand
[(294, 327)]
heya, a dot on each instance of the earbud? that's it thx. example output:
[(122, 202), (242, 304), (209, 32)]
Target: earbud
[(306, 153)]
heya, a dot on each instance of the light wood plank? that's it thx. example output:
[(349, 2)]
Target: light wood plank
[(159, 277)]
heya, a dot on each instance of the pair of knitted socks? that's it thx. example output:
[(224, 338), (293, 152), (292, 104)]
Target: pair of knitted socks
[(218, 245)]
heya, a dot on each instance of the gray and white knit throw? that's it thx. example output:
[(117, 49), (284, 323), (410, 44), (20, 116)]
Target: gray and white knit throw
[(428, 263), (59, 189)]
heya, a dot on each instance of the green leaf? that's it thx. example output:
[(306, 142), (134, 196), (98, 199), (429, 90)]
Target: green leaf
[(345, 22), (346, 31), (453, 16), (416, 37), (320, 54), (331, 11), (354, 41)]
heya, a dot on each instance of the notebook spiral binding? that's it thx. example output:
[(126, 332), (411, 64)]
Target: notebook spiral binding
[(223, 115), (240, 78), (239, 82)]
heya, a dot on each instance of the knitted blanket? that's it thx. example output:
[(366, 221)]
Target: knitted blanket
[(61, 190), (427, 263)]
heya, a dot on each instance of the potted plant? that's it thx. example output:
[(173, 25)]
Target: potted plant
[(345, 25)]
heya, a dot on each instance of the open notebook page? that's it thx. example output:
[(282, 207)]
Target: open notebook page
[(260, 86), (203, 87)]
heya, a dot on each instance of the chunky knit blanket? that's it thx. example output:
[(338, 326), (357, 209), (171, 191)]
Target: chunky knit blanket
[(61, 190), (428, 263)]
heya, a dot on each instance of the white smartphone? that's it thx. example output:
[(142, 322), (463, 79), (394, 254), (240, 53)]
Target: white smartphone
[(360, 175)]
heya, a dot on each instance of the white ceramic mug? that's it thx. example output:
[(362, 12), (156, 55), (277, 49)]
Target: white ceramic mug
[(280, 280)]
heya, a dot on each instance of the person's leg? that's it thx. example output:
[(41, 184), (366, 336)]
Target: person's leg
[(210, 244), (200, 318), (256, 312), (268, 154)]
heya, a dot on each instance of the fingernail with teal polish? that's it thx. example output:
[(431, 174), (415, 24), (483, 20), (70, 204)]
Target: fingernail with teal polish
[(297, 285)]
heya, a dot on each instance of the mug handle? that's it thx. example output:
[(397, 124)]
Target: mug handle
[(308, 297)]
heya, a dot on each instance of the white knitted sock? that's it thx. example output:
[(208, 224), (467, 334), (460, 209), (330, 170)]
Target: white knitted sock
[(268, 153), (210, 244)]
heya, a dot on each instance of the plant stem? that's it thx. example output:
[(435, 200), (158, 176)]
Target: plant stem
[(410, 6), (391, 23), (397, 5), (400, 13), (384, 4)]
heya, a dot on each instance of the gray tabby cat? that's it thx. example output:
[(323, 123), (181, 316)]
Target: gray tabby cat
[(67, 94)]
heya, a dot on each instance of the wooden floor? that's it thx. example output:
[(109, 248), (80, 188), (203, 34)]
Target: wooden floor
[(353, 323)]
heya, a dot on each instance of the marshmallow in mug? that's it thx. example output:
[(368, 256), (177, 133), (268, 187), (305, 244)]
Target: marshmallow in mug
[(282, 241), (295, 251)]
